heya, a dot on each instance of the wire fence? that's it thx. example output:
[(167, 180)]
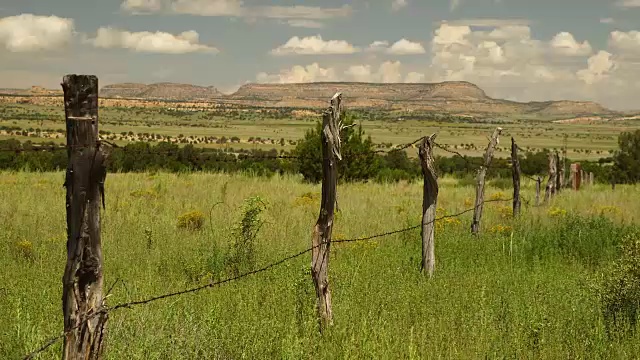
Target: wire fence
[(128, 305)]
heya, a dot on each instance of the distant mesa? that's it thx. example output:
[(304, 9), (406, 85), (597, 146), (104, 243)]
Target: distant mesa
[(160, 91), (453, 97)]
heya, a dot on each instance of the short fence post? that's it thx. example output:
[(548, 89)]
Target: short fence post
[(429, 203), (551, 183), (538, 186), (482, 172), (515, 174), (82, 297), (321, 240), (591, 179)]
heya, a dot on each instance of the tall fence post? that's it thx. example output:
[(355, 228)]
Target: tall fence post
[(482, 172), (321, 240), (538, 186), (429, 203), (551, 183), (82, 297), (515, 174)]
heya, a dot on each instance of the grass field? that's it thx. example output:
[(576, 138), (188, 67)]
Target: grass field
[(524, 289), (584, 141)]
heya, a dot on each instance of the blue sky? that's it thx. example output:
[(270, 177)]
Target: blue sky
[(517, 49)]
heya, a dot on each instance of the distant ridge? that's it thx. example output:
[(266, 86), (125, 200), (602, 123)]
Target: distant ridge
[(445, 97)]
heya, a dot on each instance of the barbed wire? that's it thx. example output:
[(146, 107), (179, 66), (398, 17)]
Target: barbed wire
[(130, 304)]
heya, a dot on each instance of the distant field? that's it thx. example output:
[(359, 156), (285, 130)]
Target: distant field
[(254, 129)]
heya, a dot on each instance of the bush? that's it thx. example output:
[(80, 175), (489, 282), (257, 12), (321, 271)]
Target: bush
[(619, 289), (193, 220), (242, 256)]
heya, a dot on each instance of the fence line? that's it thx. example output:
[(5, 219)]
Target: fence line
[(128, 305)]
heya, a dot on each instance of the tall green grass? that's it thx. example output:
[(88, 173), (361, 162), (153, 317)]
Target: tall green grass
[(523, 289)]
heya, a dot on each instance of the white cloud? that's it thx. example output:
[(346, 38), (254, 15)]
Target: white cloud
[(565, 44), (447, 35), (28, 32), (626, 42), (207, 7), (311, 24), (235, 8), (628, 3), (511, 32), (388, 72), (360, 73), (488, 22), (378, 46), (299, 74), (141, 6), (454, 4), (398, 4), (151, 42), (414, 77), (314, 45), (406, 47), (606, 21), (598, 66)]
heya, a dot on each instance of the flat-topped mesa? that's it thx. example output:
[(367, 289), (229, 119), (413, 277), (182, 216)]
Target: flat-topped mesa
[(460, 91), (165, 91)]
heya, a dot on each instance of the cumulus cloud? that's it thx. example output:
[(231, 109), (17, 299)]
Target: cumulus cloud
[(141, 6), (447, 35), (565, 44), (299, 74), (627, 42), (406, 47), (398, 4), (400, 47), (151, 42), (28, 32), (313, 45), (598, 66)]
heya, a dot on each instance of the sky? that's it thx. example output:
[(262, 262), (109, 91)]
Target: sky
[(519, 50)]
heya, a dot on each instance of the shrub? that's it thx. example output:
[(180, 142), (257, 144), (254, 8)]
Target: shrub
[(193, 220), (243, 250), (619, 288)]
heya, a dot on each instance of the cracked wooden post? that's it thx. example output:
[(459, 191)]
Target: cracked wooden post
[(538, 186), (551, 183), (429, 203), (82, 297), (515, 174), (482, 172), (321, 240)]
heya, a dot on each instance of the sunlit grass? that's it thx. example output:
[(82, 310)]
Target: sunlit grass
[(520, 290)]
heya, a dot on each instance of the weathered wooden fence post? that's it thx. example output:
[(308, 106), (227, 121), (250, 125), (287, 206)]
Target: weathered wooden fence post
[(575, 176), (538, 186), (82, 297), (560, 173), (591, 179), (551, 183), (429, 203), (515, 174), (321, 240), (482, 172), (583, 178)]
